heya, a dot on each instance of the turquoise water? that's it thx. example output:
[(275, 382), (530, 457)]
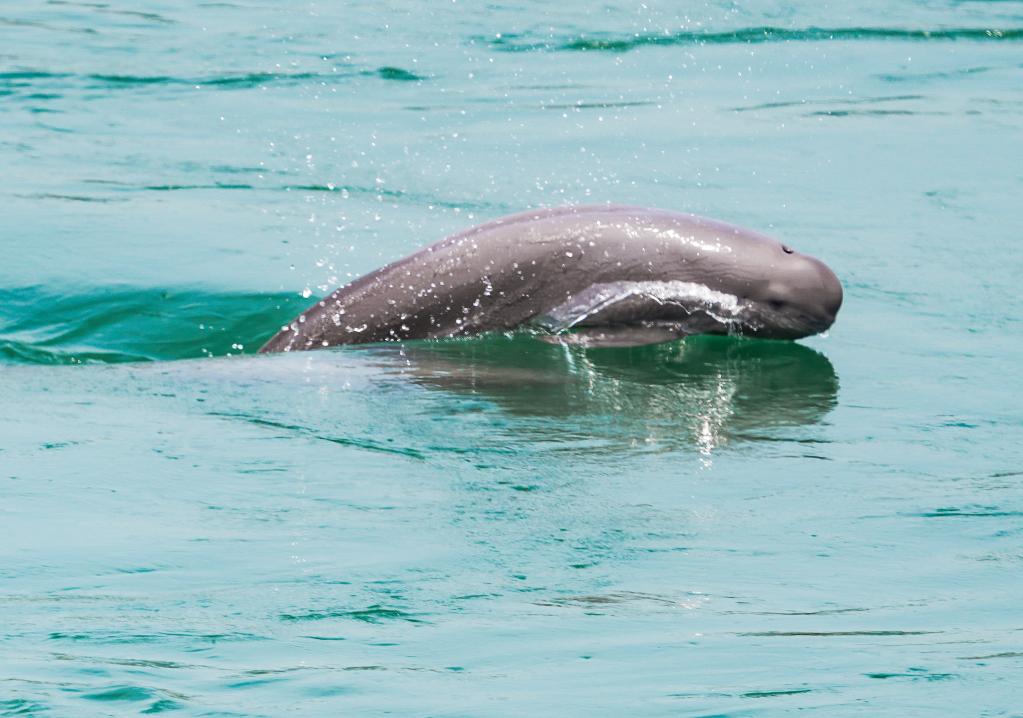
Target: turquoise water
[(499, 527)]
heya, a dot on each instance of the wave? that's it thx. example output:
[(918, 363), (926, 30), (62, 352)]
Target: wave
[(250, 79), (956, 74), (608, 42), (419, 199), (18, 79), (124, 324), (834, 101)]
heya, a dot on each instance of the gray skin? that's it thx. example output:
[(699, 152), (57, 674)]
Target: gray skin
[(594, 276)]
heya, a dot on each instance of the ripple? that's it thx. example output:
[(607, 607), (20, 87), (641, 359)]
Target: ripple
[(186, 187), (20, 707), (131, 662), (368, 444), (116, 637), (372, 614), (398, 74), (913, 674), (620, 597), (870, 113), (946, 75), (1006, 654), (597, 105), (15, 76), (121, 693), (124, 324), (607, 42), (951, 512), (837, 101), (832, 634), (243, 80), (161, 700), (226, 81), (73, 198), (821, 612), (151, 17), (18, 22), (420, 199), (776, 694)]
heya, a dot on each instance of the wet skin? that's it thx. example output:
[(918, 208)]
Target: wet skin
[(613, 275)]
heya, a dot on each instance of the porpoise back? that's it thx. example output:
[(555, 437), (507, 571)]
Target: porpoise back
[(611, 274)]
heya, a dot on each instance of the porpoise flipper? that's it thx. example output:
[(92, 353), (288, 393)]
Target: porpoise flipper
[(617, 336)]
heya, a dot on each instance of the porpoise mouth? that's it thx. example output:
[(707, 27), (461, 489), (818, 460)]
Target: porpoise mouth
[(767, 323)]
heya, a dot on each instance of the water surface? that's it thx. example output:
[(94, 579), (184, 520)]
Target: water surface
[(498, 526)]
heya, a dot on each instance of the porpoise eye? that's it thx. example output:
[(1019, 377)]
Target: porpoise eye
[(775, 303), (786, 248)]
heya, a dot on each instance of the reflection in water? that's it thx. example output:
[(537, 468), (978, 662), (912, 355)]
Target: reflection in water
[(505, 393), (702, 392)]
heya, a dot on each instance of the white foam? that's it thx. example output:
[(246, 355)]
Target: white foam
[(691, 295)]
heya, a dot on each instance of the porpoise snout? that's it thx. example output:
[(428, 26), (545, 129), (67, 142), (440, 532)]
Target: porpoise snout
[(831, 292), (823, 293), (808, 292)]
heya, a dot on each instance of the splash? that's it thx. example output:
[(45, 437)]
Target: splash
[(691, 297)]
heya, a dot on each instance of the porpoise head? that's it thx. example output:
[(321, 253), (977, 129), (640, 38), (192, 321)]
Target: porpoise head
[(779, 293), (798, 296)]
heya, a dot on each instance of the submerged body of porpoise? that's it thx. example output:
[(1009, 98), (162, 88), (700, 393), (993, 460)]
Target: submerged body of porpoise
[(595, 276)]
